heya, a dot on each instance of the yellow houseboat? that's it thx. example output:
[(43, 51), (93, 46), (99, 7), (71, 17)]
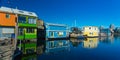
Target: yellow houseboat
[(91, 31)]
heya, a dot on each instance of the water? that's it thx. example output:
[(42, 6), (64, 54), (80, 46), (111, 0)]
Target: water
[(104, 48)]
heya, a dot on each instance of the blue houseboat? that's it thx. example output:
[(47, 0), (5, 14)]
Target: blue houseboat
[(56, 30)]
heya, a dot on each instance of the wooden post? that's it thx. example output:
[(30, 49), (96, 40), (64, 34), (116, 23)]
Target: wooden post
[(16, 32)]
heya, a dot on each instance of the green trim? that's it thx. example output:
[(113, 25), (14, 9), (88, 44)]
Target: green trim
[(27, 25), (28, 36)]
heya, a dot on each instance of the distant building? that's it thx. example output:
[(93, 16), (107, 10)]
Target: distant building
[(105, 32), (56, 30), (91, 31)]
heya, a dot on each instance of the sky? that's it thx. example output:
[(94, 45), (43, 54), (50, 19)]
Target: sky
[(85, 12)]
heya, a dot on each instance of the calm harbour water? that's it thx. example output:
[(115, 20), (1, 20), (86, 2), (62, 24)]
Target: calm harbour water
[(104, 48)]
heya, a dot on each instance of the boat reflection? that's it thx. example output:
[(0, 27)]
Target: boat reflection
[(76, 42), (90, 43)]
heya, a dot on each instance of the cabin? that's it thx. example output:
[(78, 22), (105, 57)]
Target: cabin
[(56, 30), (91, 31)]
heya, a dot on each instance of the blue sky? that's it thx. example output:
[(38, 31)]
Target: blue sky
[(85, 12)]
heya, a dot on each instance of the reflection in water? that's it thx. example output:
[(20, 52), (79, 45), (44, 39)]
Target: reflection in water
[(76, 42), (29, 57), (90, 43), (62, 50), (27, 47), (57, 46), (109, 39)]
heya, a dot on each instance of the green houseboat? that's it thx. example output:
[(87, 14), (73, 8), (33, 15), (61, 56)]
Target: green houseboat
[(27, 30), (27, 27)]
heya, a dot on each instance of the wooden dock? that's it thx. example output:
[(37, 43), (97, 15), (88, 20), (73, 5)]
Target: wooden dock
[(6, 49), (6, 52)]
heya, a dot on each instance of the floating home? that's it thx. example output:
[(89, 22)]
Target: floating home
[(41, 31), (56, 30), (91, 31), (105, 32), (25, 22), (7, 24)]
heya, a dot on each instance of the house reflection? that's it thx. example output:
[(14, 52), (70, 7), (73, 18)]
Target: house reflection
[(90, 43), (75, 42), (26, 57), (29, 57), (27, 47), (57, 46), (109, 39), (41, 47)]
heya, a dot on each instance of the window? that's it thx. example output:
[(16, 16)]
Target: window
[(32, 20), (20, 31), (30, 30), (60, 33), (52, 34), (91, 33), (89, 27), (7, 15), (95, 28), (21, 19)]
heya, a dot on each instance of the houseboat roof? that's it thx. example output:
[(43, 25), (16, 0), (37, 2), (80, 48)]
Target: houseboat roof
[(90, 26), (53, 24), (17, 11)]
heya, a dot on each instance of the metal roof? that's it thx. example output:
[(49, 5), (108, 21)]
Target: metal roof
[(53, 24), (17, 11)]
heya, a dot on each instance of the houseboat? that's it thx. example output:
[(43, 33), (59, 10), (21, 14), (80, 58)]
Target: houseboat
[(7, 24), (105, 32), (91, 31), (26, 21), (75, 32), (56, 30), (41, 31), (19, 24)]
